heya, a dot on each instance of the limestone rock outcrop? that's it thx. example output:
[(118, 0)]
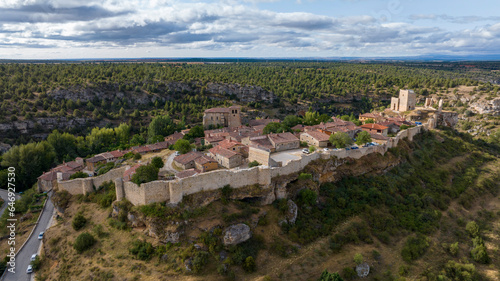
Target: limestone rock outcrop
[(291, 214), (487, 106), (363, 270), (236, 234)]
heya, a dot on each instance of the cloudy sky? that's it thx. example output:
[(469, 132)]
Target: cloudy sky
[(41, 29)]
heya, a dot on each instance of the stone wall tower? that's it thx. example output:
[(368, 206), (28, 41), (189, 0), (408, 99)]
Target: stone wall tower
[(407, 101)]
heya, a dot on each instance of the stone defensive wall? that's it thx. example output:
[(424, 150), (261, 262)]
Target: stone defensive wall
[(86, 185), (173, 191)]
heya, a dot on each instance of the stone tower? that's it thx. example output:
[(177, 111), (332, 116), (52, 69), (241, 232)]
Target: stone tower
[(226, 117), (407, 101)]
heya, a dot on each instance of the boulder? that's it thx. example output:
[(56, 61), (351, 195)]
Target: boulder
[(172, 237), (362, 269), (236, 234)]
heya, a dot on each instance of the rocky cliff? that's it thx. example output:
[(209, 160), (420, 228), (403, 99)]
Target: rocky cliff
[(487, 106), (46, 124)]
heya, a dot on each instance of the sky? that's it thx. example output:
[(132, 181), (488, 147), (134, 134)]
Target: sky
[(74, 29)]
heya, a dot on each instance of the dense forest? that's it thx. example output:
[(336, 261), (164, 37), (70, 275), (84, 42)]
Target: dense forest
[(30, 92)]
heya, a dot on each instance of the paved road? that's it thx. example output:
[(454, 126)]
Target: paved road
[(31, 247), (3, 194), (168, 164)]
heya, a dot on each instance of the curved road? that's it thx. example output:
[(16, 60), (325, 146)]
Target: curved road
[(31, 247)]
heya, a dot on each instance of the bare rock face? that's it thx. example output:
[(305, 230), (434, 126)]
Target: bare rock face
[(291, 214), (487, 106), (363, 270), (236, 234), (244, 93), (172, 237), (4, 147)]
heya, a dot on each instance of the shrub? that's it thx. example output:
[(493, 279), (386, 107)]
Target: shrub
[(454, 249), (145, 174), (307, 197), (472, 228), (327, 276), (226, 191), (79, 221), (358, 258), (84, 242), (312, 148), (478, 252), (349, 273), (199, 261), (61, 199), (414, 248), (137, 156), (253, 164), (78, 174), (142, 250), (249, 265), (305, 176), (36, 263)]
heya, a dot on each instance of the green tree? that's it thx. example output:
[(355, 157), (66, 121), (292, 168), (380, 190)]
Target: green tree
[(183, 146), (195, 132), (84, 242), (291, 121), (63, 144), (363, 137), (369, 121), (472, 228), (340, 140), (161, 126), (327, 276), (274, 127), (30, 161), (157, 162), (145, 174)]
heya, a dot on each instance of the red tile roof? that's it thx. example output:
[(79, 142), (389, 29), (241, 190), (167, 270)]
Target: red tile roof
[(187, 173), (374, 127), (204, 159), (50, 176), (117, 153), (282, 138), (95, 159), (127, 175), (319, 136), (188, 157), (226, 153), (229, 144)]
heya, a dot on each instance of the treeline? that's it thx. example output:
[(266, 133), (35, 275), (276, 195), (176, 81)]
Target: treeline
[(25, 89), (32, 159)]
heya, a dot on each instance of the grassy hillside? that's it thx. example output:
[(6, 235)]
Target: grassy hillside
[(433, 217)]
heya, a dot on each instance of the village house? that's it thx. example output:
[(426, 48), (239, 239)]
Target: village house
[(48, 180), (393, 128), (93, 162), (373, 116), (284, 141), (315, 138), (226, 117), (205, 164), (338, 125), (127, 175), (186, 161), (375, 128), (378, 138), (226, 158), (171, 139)]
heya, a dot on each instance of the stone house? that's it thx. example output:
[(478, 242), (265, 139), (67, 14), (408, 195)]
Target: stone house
[(186, 161), (375, 128), (205, 164), (366, 116), (225, 157), (226, 117), (393, 127), (187, 173), (284, 141), (47, 181), (315, 138), (95, 161), (127, 175)]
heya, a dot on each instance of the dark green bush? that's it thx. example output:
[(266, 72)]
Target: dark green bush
[(142, 250), (414, 248), (79, 221), (84, 242)]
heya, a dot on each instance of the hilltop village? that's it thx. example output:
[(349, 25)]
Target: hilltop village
[(229, 145)]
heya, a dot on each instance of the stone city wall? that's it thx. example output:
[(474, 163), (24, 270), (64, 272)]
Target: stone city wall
[(85, 185), (173, 191)]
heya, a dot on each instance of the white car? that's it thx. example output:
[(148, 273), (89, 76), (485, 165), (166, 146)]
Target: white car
[(40, 236), (305, 150), (325, 149), (33, 257), (177, 153), (30, 269)]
